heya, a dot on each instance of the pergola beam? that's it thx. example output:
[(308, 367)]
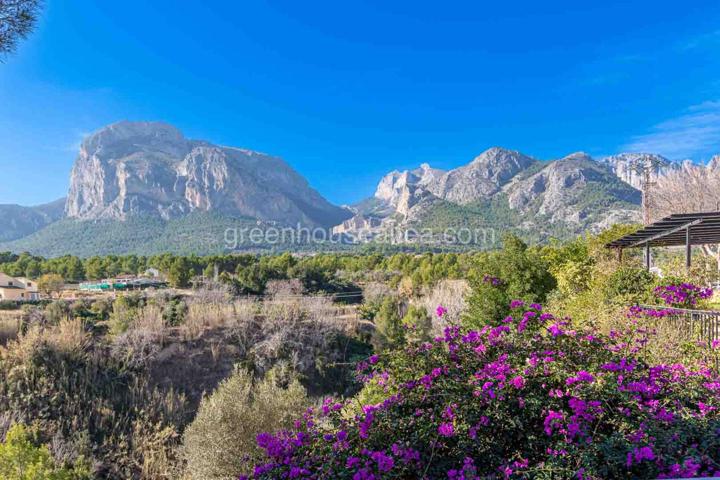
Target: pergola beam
[(666, 233), (676, 230)]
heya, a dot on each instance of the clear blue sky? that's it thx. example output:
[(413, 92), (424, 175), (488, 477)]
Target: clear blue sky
[(348, 90)]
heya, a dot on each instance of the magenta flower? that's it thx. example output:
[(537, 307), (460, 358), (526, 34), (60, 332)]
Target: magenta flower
[(552, 420), (446, 429), (639, 454), (581, 376), (518, 382), (555, 330), (440, 311)]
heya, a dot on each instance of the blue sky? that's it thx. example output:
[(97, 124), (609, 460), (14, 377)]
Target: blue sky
[(346, 91)]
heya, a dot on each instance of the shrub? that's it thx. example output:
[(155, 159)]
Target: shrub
[(451, 293), (389, 330), (174, 312), (515, 272), (57, 311), (20, 459), (628, 285), (528, 398), (220, 443), (307, 333), (122, 315), (574, 276), (418, 324)]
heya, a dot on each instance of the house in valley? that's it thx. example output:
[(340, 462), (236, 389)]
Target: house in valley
[(20, 289)]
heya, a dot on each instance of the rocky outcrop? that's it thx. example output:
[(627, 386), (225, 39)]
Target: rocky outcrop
[(630, 167), (150, 168), (358, 223), (397, 188), (714, 163)]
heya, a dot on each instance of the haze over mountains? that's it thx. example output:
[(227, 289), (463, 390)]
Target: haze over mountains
[(142, 187)]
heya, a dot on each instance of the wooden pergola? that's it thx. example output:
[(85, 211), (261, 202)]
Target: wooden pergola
[(680, 229)]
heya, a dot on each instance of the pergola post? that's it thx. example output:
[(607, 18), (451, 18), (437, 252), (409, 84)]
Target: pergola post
[(620, 252), (647, 255), (688, 249)]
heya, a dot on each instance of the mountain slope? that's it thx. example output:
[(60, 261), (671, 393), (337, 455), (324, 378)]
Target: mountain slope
[(200, 233), (572, 190), (17, 221), (143, 187)]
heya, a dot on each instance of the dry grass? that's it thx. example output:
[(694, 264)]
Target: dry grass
[(451, 295), (150, 319), (143, 340), (284, 288), (68, 337), (9, 328), (203, 316), (376, 291)]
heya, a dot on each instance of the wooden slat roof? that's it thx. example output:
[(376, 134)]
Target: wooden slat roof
[(670, 231)]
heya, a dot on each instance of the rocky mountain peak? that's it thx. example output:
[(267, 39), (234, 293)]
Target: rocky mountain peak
[(134, 136), (578, 156), (500, 156), (481, 178), (396, 185), (150, 168)]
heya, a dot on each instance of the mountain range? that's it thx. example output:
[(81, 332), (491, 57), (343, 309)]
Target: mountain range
[(142, 187), (503, 189)]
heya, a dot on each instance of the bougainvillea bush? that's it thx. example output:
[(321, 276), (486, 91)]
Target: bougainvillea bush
[(526, 398), (682, 295)]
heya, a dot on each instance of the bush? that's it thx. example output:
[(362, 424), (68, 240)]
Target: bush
[(529, 398), (57, 311), (17, 305), (122, 315), (220, 443), (683, 295), (418, 324), (628, 285), (20, 459), (389, 330), (174, 312), (515, 272)]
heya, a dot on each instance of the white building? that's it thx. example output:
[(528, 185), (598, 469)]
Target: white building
[(20, 289)]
